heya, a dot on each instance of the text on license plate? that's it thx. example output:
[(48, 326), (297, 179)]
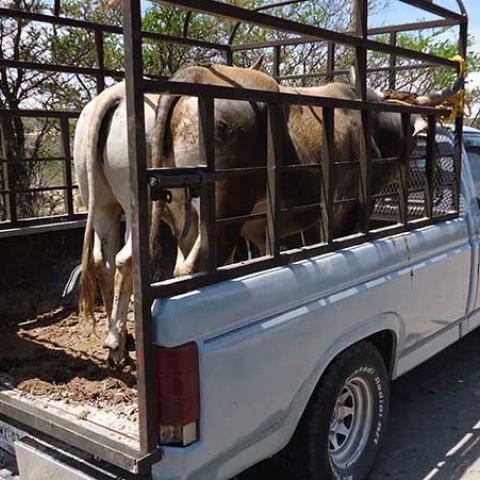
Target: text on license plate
[(8, 436)]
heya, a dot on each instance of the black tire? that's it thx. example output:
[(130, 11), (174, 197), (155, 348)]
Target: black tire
[(309, 455)]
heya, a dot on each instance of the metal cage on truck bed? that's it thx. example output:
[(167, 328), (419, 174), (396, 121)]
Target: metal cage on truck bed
[(145, 182)]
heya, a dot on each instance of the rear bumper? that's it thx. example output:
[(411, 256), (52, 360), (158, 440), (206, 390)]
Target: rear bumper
[(39, 461)]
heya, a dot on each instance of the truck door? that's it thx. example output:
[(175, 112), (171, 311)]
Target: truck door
[(472, 146)]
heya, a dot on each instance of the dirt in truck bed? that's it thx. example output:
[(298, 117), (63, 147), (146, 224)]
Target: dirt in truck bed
[(58, 358)]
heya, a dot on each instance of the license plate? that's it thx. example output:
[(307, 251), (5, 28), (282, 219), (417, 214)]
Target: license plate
[(8, 436)]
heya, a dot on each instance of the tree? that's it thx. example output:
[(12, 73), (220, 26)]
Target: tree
[(43, 43)]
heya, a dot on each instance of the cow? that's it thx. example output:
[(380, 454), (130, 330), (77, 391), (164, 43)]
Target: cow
[(240, 141), (175, 142), (102, 169)]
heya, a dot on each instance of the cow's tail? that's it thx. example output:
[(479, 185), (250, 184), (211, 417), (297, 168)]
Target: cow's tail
[(88, 282), (160, 151)]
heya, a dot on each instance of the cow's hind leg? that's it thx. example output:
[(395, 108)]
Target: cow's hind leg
[(117, 333), (105, 247)]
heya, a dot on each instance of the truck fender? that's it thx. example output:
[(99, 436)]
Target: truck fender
[(384, 322)]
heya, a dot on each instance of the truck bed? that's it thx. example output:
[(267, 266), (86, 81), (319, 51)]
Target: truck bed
[(55, 363)]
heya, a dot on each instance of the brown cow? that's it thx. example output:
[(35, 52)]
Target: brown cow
[(304, 144)]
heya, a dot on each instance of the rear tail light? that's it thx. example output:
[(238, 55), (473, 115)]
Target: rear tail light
[(178, 394)]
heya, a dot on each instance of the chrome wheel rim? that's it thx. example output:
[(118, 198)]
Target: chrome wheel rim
[(351, 423)]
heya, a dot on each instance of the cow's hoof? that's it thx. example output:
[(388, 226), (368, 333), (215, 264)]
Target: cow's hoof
[(115, 358), (183, 270)]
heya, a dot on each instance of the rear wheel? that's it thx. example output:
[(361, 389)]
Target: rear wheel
[(344, 424)]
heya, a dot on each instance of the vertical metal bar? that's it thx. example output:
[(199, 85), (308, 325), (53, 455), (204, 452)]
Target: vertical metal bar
[(463, 46), (56, 8), (229, 54), (404, 167), (330, 61), (206, 128), (3, 185), (138, 187), (99, 52), (8, 170), (274, 162), (277, 51), (328, 166), (458, 162), (392, 73), (67, 165), (361, 29), (429, 166), (365, 167)]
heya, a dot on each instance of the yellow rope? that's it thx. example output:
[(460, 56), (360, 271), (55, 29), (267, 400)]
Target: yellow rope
[(456, 103)]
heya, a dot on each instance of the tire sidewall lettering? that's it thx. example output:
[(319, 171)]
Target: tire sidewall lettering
[(373, 376)]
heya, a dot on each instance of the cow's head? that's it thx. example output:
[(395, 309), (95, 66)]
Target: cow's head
[(388, 130)]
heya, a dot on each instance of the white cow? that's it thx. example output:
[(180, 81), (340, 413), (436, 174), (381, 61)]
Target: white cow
[(102, 168)]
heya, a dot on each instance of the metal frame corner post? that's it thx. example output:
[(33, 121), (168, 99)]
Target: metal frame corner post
[(139, 198), (459, 120)]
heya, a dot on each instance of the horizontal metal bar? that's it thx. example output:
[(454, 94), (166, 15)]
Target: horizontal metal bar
[(408, 53), (57, 20), (303, 39), (176, 181), (195, 89), (39, 189), (409, 27), (175, 177), (32, 160), (352, 163), (302, 208), (396, 159), (346, 72), (301, 166), (233, 172), (39, 113), (42, 225), (50, 67), (164, 171), (379, 196), (431, 7), (345, 201), (241, 218), (71, 22), (371, 45)]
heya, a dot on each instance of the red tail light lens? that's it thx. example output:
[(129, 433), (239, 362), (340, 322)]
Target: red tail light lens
[(178, 394)]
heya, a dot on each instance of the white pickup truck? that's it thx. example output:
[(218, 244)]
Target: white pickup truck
[(301, 358)]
